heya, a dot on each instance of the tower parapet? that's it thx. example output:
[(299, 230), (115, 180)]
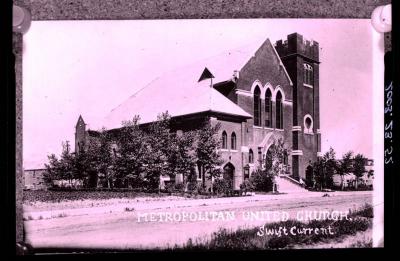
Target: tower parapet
[(297, 45)]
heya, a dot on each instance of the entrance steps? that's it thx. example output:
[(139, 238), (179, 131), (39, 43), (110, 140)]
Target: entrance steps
[(287, 184)]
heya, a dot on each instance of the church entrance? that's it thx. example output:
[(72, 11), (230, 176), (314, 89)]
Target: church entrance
[(229, 171)]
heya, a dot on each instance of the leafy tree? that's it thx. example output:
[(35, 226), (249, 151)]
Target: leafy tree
[(159, 144), (130, 153), (63, 168), (345, 166), (182, 157), (330, 166), (319, 173), (52, 170), (81, 166), (359, 167), (310, 175), (208, 143), (275, 159), (98, 159)]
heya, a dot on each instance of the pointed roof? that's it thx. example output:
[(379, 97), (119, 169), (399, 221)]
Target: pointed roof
[(80, 121), (182, 91), (206, 75)]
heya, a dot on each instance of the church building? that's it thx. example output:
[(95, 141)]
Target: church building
[(258, 93)]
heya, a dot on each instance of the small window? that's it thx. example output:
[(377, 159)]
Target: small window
[(308, 124), (308, 74), (224, 140), (251, 156), (233, 141)]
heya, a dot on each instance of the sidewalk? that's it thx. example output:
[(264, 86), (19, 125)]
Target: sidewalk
[(56, 210)]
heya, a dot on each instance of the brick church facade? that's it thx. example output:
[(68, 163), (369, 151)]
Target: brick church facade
[(257, 93)]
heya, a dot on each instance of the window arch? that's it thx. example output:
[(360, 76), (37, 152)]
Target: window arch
[(251, 156), (224, 140), (279, 111), (268, 108), (233, 141), (257, 106)]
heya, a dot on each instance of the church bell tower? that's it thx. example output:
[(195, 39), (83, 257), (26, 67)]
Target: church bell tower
[(301, 60)]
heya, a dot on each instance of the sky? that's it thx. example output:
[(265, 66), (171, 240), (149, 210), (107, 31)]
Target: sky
[(87, 68)]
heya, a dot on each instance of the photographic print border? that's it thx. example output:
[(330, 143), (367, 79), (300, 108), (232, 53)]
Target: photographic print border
[(177, 9)]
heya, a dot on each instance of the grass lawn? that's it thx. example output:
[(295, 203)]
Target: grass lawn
[(250, 239)]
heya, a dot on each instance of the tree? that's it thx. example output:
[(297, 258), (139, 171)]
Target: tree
[(319, 173), (275, 159), (345, 166), (208, 143), (98, 159), (182, 157), (359, 167), (159, 146), (310, 175), (130, 153), (63, 168), (330, 166), (52, 172)]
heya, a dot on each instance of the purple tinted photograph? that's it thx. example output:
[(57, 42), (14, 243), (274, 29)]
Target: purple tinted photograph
[(238, 134)]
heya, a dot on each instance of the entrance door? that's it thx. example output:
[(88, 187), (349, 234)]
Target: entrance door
[(229, 171)]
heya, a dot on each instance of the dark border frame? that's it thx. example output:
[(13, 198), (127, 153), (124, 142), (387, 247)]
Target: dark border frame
[(150, 9)]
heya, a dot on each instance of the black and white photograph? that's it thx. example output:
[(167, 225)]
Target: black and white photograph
[(211, 134)]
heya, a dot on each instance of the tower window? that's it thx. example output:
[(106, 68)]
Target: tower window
[(268, 108), (257, 107), (279, 111), (233, 141), (224, 140), (308, 124), (308, 74)]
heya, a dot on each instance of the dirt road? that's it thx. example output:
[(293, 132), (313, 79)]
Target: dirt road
[(148, 227)]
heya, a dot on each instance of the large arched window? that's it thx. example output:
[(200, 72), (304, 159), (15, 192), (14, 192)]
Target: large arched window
[(224, 140), (233, 141), (251, 156), (268, 108), (279, 111), (257, 107)]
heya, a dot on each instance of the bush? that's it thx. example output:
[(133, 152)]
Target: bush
[(196, 188), (246, 186), (223, 187), (262, 181), (179, 187), (172, 187)]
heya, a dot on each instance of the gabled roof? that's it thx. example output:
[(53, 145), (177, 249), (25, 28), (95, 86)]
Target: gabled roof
[(186, 90)]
